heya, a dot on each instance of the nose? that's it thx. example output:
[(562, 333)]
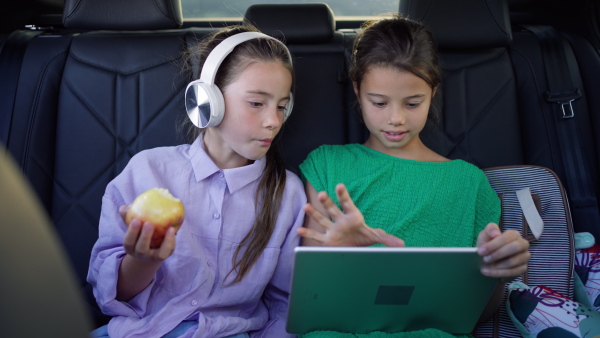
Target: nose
[(397, 116), (272, 118)]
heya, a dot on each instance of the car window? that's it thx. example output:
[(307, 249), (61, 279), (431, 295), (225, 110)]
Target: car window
[(235, 9)]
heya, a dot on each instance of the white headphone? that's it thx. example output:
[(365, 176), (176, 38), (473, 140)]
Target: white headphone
[(203, 99)]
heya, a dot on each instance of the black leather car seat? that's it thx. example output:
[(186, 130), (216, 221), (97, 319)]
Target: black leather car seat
[(87, 102), (479, 115)]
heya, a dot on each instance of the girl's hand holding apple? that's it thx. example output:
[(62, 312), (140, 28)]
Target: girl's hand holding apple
[(152, 220)]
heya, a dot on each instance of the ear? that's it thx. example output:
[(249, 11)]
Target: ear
[(355, 86), (434, 91)]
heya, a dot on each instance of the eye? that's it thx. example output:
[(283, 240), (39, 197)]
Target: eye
[(412, 105), (255, 104), (282, 108), (379, 104)]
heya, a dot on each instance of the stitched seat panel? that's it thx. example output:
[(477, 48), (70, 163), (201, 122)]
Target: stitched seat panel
[(105, 116)]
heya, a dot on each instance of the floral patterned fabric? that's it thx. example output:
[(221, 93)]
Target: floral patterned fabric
[(541, 312), (587, 268)]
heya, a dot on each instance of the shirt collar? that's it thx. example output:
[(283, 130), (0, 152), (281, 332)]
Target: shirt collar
[(236, 178)]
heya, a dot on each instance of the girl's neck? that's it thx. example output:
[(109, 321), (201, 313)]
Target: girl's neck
[(223, 156)]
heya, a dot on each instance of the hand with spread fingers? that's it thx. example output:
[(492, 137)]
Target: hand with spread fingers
[(505, 254), (327, 225)]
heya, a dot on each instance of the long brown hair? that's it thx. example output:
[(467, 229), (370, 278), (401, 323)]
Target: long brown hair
[(400, 43), (269, 192)]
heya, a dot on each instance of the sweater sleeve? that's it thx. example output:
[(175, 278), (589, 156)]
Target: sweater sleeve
[(488, 207), (313, 169)]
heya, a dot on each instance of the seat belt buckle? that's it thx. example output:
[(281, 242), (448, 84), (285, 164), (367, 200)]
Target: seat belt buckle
[(565, 100)]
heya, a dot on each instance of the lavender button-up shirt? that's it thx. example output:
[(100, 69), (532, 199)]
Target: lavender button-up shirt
[(191, 284)]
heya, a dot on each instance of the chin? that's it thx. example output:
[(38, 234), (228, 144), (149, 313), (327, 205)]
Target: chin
[(255, 155)]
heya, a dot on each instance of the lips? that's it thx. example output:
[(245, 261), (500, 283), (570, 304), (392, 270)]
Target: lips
[(266, 141), (394, 136)]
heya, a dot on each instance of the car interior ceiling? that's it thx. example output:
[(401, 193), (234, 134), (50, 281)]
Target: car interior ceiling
[(73, 113)]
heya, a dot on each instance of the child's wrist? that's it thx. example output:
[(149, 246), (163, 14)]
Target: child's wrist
[(144, 263)]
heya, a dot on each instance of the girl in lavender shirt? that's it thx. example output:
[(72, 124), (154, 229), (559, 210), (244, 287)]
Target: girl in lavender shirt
[(226, 271)]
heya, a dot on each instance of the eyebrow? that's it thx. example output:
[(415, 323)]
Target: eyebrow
[(269, 95), (408, 97)]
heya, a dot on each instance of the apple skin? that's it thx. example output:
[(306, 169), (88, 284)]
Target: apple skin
[(160, 208)]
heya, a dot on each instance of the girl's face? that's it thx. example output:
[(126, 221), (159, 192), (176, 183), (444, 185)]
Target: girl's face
[(254, 110), (394, 106)]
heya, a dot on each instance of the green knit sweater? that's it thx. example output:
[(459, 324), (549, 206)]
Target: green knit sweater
[(434, 204)]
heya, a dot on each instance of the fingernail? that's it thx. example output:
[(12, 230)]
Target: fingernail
[(487, 259), (485, 271), (482, 250)]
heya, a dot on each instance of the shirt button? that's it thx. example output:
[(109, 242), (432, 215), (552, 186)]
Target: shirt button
[(221, 174), (194, 302), (210, 263), (216, 215)]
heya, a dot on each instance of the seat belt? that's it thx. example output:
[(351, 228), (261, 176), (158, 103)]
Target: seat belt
[(11, 58), (561, 94)]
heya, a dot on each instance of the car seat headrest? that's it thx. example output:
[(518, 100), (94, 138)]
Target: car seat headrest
[(122, 15), (466, 24), (293, 23)]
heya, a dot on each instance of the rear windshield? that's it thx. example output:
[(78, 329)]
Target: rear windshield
[(235, 9)]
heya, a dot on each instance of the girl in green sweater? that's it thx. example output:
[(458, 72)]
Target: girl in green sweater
[(405, 192)]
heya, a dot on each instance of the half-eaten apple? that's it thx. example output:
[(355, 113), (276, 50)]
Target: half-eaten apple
[(158, 206)]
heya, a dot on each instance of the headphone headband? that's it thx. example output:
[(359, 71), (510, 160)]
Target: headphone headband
[(220, 52)]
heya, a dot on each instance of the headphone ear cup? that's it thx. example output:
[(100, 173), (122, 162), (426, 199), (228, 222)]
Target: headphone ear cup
[(288, 107), (204, 104)]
